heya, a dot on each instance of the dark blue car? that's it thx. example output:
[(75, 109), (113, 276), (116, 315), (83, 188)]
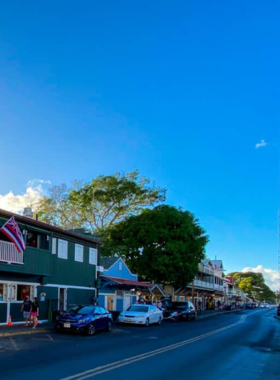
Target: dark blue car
[(87, 319)]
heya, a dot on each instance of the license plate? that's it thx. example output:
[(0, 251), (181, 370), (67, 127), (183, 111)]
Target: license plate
[(67, 325)]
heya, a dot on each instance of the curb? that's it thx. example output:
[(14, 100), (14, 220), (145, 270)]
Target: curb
[(28, 332), (219, 313)]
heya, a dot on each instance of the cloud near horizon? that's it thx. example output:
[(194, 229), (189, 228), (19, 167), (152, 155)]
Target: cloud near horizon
[(261, 144), (16, 203), (271, 276)]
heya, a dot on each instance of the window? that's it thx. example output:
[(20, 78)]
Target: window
[(32, 239), (44, 242), (120, 265), (87, 310), (3, 292), (79, 253), (54, 242), (62, 251), (37, 240), (93, 256), (22, 292)]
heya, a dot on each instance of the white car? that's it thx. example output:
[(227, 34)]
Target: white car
[(141, 315)]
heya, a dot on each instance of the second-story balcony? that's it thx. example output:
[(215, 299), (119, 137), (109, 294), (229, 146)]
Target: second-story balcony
[(9, 254), (219, 287), (199, 284)]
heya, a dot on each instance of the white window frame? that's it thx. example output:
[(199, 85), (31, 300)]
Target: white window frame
[(79, 253), (93, 256), (62, 249), (54, 246)]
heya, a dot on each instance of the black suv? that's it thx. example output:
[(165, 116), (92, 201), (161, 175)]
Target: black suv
[(180, 311)]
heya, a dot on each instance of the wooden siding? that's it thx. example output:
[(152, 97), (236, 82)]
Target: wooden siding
[(51, 297), (80, 296), (71, 272)]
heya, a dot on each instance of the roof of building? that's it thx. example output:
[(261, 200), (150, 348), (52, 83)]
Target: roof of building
[(218, 263), (107, 262), (36, 223)]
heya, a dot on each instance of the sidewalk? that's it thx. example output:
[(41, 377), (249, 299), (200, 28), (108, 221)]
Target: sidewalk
[(21, 329)]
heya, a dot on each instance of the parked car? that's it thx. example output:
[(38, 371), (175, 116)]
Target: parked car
[(278, 310), (87, 319), (181, 311), (250, 305), (141, 314), (265, 305)]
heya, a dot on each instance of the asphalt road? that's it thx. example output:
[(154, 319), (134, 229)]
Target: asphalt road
[(243, 345)]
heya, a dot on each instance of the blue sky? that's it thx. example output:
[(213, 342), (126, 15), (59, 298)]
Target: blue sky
[(181, 90)]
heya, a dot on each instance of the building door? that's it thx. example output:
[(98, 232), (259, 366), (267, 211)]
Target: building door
[(63, 299), (110, 303), (126, 302)]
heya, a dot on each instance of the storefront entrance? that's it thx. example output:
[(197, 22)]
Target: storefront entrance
[(11, 297)]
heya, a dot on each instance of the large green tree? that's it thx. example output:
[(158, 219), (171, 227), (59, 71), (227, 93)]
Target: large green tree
[(164, 245), (253, 284), (100, 204)]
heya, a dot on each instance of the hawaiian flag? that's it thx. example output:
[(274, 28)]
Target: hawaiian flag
[(12, 231)]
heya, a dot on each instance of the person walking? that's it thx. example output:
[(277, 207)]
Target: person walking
[(26, 309), (34, 312)]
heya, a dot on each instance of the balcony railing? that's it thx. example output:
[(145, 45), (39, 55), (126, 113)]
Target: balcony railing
[(219, 287), (9, 254), (203, 284)]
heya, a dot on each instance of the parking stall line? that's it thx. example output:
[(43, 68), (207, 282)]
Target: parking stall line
[(14, 344)]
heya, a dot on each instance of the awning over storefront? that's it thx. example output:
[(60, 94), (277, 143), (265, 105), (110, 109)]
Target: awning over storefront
[(122, 281)]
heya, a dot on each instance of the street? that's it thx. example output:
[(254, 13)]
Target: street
[(244, 344)]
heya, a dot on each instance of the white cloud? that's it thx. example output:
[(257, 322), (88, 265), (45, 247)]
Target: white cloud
[(271, 276), (261, 144), (16, 203)]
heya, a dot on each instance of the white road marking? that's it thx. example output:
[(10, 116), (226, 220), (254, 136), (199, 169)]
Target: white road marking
[(109, 367), (50, 338), (14, 344)]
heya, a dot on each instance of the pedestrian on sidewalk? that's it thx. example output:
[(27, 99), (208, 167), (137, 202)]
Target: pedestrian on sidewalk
[(34, 312), (199, 307), (26, 309)]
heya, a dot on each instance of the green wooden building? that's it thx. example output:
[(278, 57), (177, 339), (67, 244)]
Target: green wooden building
[(58, 267)]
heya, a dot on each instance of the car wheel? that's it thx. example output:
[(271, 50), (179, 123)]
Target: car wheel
[(159, 321), (91, 329), (109, 327), (147, 322)]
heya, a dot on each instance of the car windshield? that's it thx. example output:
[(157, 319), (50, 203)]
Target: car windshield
[(86, 310), (141, 309), (74, 309)]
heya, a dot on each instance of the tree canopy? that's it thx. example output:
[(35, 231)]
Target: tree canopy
[(100, 204), (164, 245), (253, 284)]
